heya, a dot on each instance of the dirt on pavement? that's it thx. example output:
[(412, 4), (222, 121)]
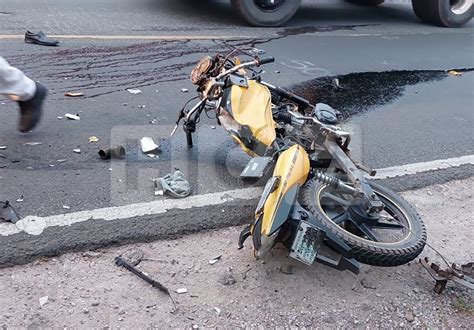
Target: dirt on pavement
[(87, 290)]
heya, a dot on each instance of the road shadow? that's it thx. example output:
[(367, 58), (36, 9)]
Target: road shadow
[(221, 14)]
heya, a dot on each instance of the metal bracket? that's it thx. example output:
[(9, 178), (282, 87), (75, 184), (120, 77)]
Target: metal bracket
[(461, 274)]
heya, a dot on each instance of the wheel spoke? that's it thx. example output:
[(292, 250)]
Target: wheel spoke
[(368, 232), (340, 200), (338, 219), (384, 225)]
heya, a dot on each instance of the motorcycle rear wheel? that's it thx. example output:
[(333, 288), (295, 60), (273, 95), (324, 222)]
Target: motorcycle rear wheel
[(332, 208)]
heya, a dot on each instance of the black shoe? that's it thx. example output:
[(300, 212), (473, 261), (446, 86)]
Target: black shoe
[(31, 110), (39, 38)]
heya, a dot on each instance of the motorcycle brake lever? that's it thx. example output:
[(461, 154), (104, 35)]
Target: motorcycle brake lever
[(180, 116)]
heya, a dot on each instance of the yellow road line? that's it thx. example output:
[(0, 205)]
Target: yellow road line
[(121, 37)]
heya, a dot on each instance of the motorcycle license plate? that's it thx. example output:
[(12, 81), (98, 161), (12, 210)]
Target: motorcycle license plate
[(307, 242)]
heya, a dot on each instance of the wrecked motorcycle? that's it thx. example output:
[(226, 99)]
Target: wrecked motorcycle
[(317, 200)]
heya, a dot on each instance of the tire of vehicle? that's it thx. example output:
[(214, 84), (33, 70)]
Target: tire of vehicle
[(445, 13), (256, 15), (366, 251), (366, 2)]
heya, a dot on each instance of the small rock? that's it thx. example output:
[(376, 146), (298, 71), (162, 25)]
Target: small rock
[(95, 304), (43, 300), (85, 311), (410, 317), (218, 311), (91, 254), (227, 279), (184, 90)]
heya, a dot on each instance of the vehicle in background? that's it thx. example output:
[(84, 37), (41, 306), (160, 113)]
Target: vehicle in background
[(445, 13)]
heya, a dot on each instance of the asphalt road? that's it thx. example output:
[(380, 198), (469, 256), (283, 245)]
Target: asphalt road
[(405, 118)]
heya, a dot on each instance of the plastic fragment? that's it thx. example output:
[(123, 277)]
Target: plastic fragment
[(72, 117), (455, 73), (214, 260), (43, 300), (73, 94), (134, 91), (182, 290)]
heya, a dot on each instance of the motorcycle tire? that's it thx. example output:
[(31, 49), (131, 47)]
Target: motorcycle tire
[(258, 15), (365, 250), (366, 2), (444, 13)]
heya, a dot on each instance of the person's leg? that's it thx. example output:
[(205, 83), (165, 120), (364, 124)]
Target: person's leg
[(14, 83), (29, 95)]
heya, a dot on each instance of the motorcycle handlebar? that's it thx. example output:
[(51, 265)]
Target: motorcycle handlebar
[(266, 60), (236, 68)]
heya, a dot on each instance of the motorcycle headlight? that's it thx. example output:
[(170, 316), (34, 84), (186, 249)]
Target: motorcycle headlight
[(199, 73)]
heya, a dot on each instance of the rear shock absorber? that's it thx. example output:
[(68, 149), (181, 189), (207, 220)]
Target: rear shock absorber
[(333, 182)]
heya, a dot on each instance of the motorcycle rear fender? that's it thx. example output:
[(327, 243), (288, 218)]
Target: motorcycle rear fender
[(292, 167)]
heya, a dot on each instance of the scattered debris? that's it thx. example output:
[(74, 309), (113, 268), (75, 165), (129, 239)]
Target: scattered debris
[(118, 152), (277, 71), (134, 91), (287, 269), (461, 274), (62, 160), (148, 145), (174, 185), (184, 90), (181, 290), (454, 73), (218, 311), (72, 117), (73, 94), (43, 300), (60, 117), (33, 143), (125, 104), (77, 151), (3, 147), (20, 199), (214, 260), (67, 207), (8, 213), (213, 127), (153, 121), (143, 106), (121, 262), (93, 139)]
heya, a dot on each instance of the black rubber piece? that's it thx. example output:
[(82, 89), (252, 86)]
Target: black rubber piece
[(257, 16), (438, 12), (369, 252)]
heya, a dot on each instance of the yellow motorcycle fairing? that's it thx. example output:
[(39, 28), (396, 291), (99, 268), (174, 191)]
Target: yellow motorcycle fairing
[(292, 168), (251, 108)]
